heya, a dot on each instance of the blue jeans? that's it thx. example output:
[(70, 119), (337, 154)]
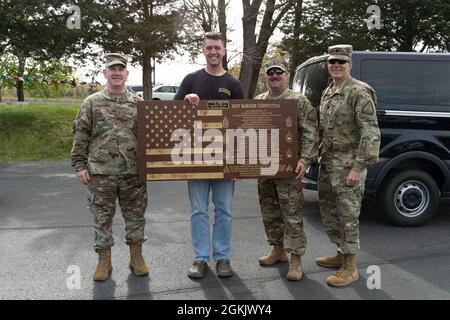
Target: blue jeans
[(222, 197)]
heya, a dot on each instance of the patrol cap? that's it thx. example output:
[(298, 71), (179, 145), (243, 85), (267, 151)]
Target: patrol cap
[(341, 52), (112, 59), (276, 65)]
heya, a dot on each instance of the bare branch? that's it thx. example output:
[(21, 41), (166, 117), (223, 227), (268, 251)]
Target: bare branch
[(281, 14)]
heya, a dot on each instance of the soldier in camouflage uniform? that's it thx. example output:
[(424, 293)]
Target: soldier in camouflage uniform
[(349, 142), (104, 155), (281, 200)]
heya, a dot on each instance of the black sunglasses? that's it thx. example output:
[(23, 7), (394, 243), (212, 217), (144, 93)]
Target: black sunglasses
[(278, 72), (333, 61)]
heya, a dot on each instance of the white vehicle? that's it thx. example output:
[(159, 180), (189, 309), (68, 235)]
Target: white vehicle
[(161, 92)]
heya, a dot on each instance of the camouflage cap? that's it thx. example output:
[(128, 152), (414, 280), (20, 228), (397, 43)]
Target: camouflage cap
[(340, 51), (276, 65), (112, 59)]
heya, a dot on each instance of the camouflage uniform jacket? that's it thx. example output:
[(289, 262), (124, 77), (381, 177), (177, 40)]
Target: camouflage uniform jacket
[(105, 134), (349, 133), (307, 124)]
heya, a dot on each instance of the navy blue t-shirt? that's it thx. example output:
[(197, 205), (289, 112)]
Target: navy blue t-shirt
[(208, 86)]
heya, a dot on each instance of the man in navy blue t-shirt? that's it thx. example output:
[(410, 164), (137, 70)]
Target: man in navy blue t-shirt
[(211, 83)]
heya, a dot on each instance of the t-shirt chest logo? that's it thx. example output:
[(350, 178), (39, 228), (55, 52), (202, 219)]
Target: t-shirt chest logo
[(226, 91)]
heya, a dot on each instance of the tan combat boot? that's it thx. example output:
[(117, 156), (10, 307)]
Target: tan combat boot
[(295, 268), (347, 274), (137, 263), (331, 262), (104, 265), (276, 255)]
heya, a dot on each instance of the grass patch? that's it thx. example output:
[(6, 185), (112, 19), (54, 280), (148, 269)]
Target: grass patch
[(36, 132)]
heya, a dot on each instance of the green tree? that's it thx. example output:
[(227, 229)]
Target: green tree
[(38, 75), (146, 30), (406, 25), (36, 30), (7, 66), (290, 26)]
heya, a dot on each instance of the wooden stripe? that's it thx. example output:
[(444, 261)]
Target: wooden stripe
[(172, 164), (156, 152), (185, 176), (209, 112), (212, 125)]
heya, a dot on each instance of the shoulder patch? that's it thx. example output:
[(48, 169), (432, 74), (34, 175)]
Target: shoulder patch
[(312, 116), (368, 109)]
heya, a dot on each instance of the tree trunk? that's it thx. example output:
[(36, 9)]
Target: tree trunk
[(295, 51), (249, 47), (19, 89), (147, 76), (409, 31), (265, 31), (19, 84), (153, 72), (1, 86), (222, 18), (254, 51)]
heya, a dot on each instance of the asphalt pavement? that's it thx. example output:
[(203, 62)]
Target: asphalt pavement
[(46, 249)]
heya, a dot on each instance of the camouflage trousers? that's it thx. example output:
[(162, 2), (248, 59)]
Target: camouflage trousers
[(103, 191), (281, 202), (340, 206)]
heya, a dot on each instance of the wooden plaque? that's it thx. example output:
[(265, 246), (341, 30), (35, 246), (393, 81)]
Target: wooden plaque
[(219, 139)]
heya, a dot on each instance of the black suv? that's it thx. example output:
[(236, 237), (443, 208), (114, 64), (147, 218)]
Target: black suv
[(413, 110)]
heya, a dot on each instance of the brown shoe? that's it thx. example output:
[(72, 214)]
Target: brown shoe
[(104, 265), (331, 262), (295, 268), (347, 274), (198, 269), (223, 269), (137, 263), (276, 255)]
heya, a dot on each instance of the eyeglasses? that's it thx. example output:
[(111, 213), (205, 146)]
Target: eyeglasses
[(278, 72), (333, 61)]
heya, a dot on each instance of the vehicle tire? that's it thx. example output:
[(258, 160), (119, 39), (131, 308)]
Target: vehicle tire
[(409, 198)]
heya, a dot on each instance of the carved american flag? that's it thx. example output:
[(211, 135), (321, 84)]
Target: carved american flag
[(175, 138)]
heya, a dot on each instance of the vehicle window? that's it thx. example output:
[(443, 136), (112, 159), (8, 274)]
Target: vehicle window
[(165, 89), (434, 83), (409, 82), (395, 81), (137, 88), (311, 81)]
